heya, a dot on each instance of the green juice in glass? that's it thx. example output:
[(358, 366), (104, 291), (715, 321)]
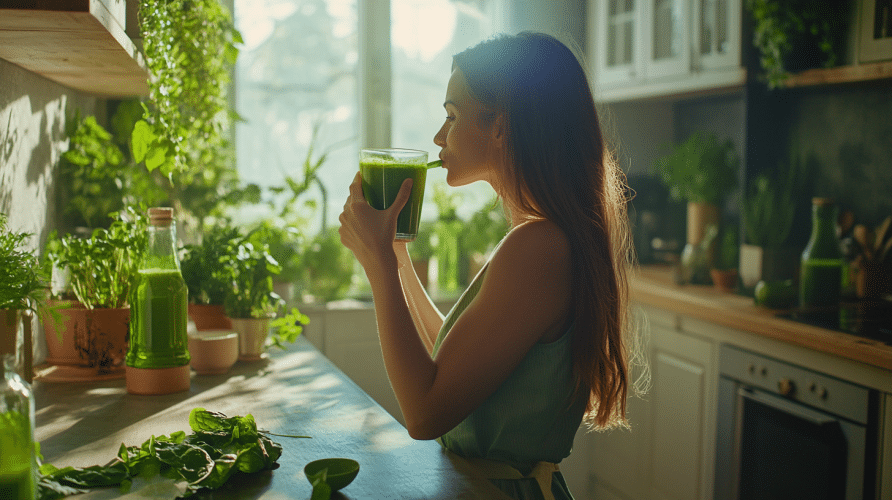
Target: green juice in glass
[(16, 481), (383, 172), (158, 317)]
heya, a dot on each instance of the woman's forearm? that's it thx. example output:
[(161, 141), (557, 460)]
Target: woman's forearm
[(428, 319), (410, 368)]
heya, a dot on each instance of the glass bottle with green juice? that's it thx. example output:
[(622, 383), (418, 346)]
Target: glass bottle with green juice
[(18, 465), (383, 172), (158, 355), (821, 269)]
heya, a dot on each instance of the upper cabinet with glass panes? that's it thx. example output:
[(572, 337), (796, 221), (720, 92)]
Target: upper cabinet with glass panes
[(652, 48)]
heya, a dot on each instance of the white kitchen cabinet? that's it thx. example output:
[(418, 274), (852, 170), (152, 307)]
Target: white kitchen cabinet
[(684, 387), (654, 48)]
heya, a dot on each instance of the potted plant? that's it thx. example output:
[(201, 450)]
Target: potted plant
[(422, 251), (250, 301), (92, 330), (285, 242), (22, 291), (724, 272), (769, 209), (205, 270), (701, 171)]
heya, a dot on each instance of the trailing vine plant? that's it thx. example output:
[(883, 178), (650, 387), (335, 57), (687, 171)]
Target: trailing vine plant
[(793, 35), (190, 50)]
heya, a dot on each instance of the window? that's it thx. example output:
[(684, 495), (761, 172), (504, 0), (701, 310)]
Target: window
[(298, 71)]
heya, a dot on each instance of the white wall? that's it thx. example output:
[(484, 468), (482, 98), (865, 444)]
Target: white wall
[(33, 112)]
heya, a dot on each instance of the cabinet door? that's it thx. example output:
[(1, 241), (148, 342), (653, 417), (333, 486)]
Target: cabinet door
[(617, 40), (667, 44), (682, 367), (717, 34)]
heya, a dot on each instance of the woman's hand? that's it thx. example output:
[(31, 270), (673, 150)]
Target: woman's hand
[(367, 232)]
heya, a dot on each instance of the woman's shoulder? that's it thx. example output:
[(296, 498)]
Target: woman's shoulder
[(539, 239)]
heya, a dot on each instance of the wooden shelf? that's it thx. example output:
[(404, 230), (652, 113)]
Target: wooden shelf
[(841, 74), (80, 44)]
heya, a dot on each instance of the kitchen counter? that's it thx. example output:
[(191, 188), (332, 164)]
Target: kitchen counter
[(294, 392), (653, 286)]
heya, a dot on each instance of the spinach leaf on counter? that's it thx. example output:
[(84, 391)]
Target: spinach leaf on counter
[(218, 447)]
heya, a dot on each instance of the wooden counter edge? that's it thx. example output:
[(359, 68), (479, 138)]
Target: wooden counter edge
[(653, 287)]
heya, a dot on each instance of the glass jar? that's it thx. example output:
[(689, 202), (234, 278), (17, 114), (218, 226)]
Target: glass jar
[(821, 268), (158, 301), (18, 464)]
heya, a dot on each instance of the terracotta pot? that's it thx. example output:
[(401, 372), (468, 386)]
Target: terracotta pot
[(88, 338), (252, 334), (724, 279), (209, 317)]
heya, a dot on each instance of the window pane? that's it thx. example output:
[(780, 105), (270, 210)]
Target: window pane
[(296, 73), (425, 34)]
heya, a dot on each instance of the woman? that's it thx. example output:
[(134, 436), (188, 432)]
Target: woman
[(538, 341)]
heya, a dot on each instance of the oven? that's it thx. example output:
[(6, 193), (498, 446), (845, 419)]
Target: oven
[(786, 432)]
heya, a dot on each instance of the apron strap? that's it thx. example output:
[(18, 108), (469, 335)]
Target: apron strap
[(491, 469)]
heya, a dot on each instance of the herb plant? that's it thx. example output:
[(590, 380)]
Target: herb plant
[(251, 272), (218, 448), (205, 266), (104, 266), (701, 169), (24, 281)]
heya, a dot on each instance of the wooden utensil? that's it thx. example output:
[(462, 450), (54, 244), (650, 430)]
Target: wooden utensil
[(881, 233), (862, 236)]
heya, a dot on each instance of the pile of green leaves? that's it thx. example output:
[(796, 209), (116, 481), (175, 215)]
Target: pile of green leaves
[(104, 266), (218, 447), (701, 169), (205, 266), (24, 281)]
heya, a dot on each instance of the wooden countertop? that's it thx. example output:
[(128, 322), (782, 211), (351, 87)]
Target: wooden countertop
[(653, 286), (295, 392)]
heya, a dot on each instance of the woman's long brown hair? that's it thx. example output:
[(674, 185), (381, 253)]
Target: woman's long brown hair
[(559, 169)]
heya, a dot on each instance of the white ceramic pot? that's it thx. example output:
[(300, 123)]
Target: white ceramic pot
[(252, 334)]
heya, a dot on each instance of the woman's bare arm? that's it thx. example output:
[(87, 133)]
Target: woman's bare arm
[(428, 319)]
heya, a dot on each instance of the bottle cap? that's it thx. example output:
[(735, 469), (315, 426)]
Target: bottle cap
[(160, 216), (821, 202)]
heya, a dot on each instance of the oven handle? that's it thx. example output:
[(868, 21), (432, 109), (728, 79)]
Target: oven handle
[(815, 417)]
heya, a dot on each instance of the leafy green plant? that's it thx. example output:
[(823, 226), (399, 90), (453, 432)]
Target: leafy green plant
[(285, 242), (701, 169), (190, 48), (286, 329), (251, 271), (793, 35), (770, 207), (104, 266), (729, 248), (218, 448), (328, 266), (486, 227), (91, 174), (205, 265), (24, 280)]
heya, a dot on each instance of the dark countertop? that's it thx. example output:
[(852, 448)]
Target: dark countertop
[(653, 286), (297, 392)]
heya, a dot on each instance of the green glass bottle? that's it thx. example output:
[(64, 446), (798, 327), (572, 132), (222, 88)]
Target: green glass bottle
[(158, 302), (820, 278), (18, 465)]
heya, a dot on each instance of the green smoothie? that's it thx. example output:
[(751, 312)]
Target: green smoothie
[(158, 317), (16, 481), (381, 181), (820, 282)]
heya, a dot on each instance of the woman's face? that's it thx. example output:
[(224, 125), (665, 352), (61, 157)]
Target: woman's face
[(471, 145)]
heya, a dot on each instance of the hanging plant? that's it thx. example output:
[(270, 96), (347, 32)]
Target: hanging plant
[(190, 49), (795, 35)]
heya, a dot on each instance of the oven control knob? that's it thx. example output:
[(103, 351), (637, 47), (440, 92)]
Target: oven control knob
[(786, 387)]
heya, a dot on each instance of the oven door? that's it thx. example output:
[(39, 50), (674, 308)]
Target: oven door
[(775, 448)]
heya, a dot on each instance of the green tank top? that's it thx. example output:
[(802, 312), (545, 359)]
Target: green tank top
[(528, 419)]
